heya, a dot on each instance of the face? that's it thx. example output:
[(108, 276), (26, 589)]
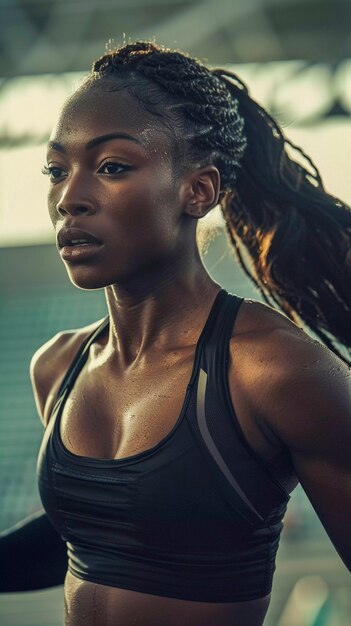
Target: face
[(111, 175)]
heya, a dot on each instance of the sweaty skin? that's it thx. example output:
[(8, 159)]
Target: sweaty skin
[(128, 395), (143, 421), (96, 605)]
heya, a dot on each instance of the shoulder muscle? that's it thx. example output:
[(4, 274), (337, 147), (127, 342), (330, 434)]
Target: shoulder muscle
[(49, 364), (306, 402)]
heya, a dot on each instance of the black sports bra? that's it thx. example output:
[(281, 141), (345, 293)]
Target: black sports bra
[(197, 517)]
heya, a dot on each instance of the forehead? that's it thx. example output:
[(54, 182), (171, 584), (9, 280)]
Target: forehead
[(94, 112)]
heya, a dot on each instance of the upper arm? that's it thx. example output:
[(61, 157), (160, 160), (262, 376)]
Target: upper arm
[(307, 404)]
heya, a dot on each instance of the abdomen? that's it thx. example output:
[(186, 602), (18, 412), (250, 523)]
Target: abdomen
[(92, 604)]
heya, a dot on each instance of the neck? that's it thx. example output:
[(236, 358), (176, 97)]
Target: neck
[(157, 313)]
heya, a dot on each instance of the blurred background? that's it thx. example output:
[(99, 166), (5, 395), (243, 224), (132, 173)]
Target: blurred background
[(295, 57)]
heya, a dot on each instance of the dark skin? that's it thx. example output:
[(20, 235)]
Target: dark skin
[(289, 392)]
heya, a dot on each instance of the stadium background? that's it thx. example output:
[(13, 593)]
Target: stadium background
[(295, 57)]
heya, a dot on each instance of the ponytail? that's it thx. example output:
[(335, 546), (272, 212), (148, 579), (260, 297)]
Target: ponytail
[(291, 237)]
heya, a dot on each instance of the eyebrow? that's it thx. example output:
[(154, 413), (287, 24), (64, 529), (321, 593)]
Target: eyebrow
[(54, 145)]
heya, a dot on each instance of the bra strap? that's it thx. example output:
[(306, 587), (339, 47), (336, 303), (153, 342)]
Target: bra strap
[(78, 361), (82, 353), (241, 475)]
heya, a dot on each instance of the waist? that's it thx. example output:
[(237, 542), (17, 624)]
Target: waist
[(102, 605)]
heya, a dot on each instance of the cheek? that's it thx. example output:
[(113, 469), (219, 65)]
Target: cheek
[(51, 206), (140, 230), (53, 200), (148, 211)]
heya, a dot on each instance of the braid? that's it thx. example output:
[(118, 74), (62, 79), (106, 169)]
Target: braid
[(289, 235), (296, 236), (196, 94)]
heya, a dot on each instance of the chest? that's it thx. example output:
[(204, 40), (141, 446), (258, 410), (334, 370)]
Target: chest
[(109, 414), (113, 415)]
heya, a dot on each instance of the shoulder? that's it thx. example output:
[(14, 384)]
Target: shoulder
[(289, 374), (256, 317), (302, 394), (259, 348), (50, 362)]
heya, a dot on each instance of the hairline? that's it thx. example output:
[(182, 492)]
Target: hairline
[(169, 122)]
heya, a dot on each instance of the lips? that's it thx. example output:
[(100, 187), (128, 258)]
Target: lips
[(70, 236)]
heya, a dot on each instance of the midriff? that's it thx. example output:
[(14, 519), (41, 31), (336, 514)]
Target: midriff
[(91, 604)]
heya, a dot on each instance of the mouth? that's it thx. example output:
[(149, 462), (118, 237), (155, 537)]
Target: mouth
[(76, 237), (77, 244)]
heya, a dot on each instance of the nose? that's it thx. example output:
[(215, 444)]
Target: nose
[(73, 210), (75, 200)]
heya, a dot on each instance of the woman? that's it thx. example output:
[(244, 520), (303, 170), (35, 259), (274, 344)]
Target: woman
[(177, 426)]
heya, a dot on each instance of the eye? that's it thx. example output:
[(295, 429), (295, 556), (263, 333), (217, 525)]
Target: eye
[(113, 168), (54, 172)]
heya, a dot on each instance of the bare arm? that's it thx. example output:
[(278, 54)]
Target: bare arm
[(306, 402), (32, 553)]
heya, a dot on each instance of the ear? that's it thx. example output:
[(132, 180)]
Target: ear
[(200, 191)]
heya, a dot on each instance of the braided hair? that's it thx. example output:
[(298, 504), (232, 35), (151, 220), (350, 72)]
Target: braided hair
[(289, 235)]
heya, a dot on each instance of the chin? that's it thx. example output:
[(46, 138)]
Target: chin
[(87, 280)]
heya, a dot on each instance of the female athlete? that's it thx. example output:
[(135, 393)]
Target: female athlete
[(177, 426)]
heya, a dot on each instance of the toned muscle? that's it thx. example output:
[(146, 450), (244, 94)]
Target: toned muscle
[(139, 407), (302, 398), (112, 413)]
